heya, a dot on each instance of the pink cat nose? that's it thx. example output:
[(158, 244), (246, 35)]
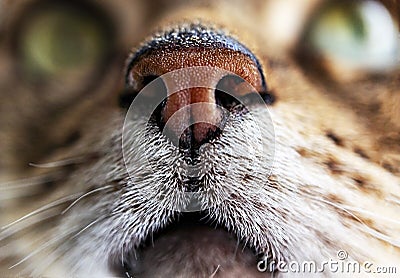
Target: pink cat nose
[(193, 116)]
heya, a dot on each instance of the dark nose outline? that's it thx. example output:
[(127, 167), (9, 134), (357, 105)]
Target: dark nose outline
[(191, 38)]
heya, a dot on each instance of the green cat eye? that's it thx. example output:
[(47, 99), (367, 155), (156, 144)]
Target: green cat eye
[(61, 40), (56, 42), (358, 34)]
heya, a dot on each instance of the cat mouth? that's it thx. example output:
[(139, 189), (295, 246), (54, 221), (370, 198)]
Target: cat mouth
[(193, 244)]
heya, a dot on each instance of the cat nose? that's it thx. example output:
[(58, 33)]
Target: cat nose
[(192, 117)]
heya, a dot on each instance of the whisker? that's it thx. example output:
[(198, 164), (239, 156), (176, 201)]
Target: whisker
[(236, 249), (370, 231), (47, 244), (85, 195), (57, 253), (50, 259), (28, 186), (8, 233), (29, 182), (57, 239), (215, 271), (11, 252), (43, 208), (60, 163), (382, 236), (393, 200), (354, 209), (375, 216), (89, 225)]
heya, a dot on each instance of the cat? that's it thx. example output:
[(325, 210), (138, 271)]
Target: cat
[(237, 139)]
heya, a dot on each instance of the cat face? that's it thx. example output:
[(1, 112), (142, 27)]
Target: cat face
[(232, 141)]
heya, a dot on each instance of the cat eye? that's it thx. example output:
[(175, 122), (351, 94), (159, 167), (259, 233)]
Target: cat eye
[(357, 35), (64, 42)]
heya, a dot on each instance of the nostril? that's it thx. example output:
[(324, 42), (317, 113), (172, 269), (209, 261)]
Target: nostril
[(226, 100), (191, 117), (191, 141), (229, 89), (190, 134), (232, 90)]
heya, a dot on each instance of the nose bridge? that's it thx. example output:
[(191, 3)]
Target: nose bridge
[(202, 94), (204, 117), (201, 119), (182, 98)]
